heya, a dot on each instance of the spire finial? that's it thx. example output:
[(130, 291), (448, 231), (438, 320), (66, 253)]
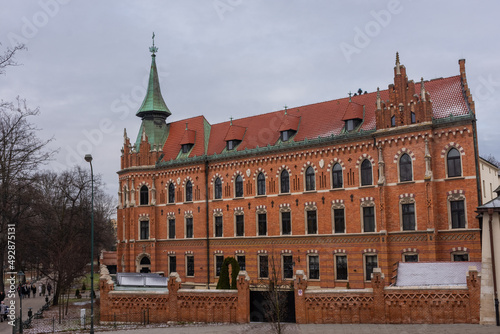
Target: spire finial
[(286, 108), (186, 125), (422, 89), (398, 71), (231, 120), (350, 96), (153, 49), (379, 106)]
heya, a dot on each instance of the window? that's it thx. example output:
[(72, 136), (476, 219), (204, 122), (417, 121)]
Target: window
[(219, 259), (454, 164), (241, 261), (189, 227), (263, 266), (286, 223), (189, 191), (238, 186), (460, 257), (218, 188), (186, 147), (144, 195), (171, 192), (410, 257), (218, 226), (337, 176), (284, 182), (352, 124), (262, 223), (405, 170), (369, 219), (370, 264), (261, 184), (339, 220), (144, 229), (313, 266), (413, 119), (190, 265), (171, 228), (457, 209), (408, 215), (366, 173), (231, 144), (172, 264), (310, 179), (341, 267), (287, 266), (393, 121), (240, 225), (312, 223), (287, 134)]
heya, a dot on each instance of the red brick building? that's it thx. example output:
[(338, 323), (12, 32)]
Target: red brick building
[(335, 188)]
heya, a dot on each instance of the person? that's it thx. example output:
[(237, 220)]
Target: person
[(27, 290), (2, 296), (39, 289), (49, 288), (33, 290), (43, 289), (3, 311)]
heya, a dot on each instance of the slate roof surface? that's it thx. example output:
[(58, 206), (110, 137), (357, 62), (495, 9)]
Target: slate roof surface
[(312, 121), (434, 273)]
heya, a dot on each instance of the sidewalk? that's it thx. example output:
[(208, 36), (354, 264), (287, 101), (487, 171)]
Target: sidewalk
[(34, 302)]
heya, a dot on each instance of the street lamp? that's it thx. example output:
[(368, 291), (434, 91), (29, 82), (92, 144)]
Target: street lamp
[(88, 158), (20, 275)]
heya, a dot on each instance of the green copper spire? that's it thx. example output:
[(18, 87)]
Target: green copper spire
[(153, 104)]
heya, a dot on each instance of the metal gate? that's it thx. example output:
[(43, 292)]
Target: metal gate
[(262, 309)]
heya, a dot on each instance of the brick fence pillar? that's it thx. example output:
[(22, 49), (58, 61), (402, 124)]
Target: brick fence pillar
[(300, 286), (474, 286), (105, 286), (243, 308), (174, 284), (378, 284)]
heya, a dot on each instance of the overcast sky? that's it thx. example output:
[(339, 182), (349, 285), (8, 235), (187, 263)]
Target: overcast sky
[(87, 62)]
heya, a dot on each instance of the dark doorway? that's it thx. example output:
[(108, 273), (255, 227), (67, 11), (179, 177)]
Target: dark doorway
[(260, 306)]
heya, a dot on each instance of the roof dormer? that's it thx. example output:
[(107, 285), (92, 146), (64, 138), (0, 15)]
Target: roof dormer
[(187, 140), (289, 126), (353, 116), (234, 136)]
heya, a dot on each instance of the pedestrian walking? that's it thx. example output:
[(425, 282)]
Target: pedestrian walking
[(49, 288), (43, 289), (3, 311), (39, 289), (27, 290), (2, 296), (33, 290)]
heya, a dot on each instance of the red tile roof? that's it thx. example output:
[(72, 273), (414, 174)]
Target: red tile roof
[(312, 121), (188, 137)]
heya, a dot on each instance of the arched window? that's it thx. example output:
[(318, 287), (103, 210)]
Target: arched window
[(284, 182), (218, 188), (189, 191), (366, 173), (238, 186), (171, 193), (144, 195), (310, 179), (393, 121), (261, 184), (405, 170), (337, 176), (454, 163)]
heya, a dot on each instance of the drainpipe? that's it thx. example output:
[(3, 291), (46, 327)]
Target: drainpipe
[(207, 223), (495, 291)]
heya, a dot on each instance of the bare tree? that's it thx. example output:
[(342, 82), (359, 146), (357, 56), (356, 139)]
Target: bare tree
[(59, 229), (491, 158), (8, 57)]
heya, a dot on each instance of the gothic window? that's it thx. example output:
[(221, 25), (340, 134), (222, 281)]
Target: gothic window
[(457, 210), (368, 219), (144, 229), (261, 184), (172, 264), (218, 226), (310, 179), (341, 267), (190, 265), (453, 162), (313, 264), (238, 186), (312, 222), (370, 263), (171, 228), (189, 191), (218, 188), (366, 173), (393, 121), (171, 193), (284, 182), (339, 220), (263, 266), (144, 195), (286, 223), (262, 223), (287, 261), (189, 227), (405, 168), (337, 176), (240, 225), (408, 216), (413, 119)]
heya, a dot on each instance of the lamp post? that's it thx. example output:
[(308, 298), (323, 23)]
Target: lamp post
[(88, 158), (20, 275)]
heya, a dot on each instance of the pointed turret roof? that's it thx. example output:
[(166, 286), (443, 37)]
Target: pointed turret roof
[(153, 102)]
